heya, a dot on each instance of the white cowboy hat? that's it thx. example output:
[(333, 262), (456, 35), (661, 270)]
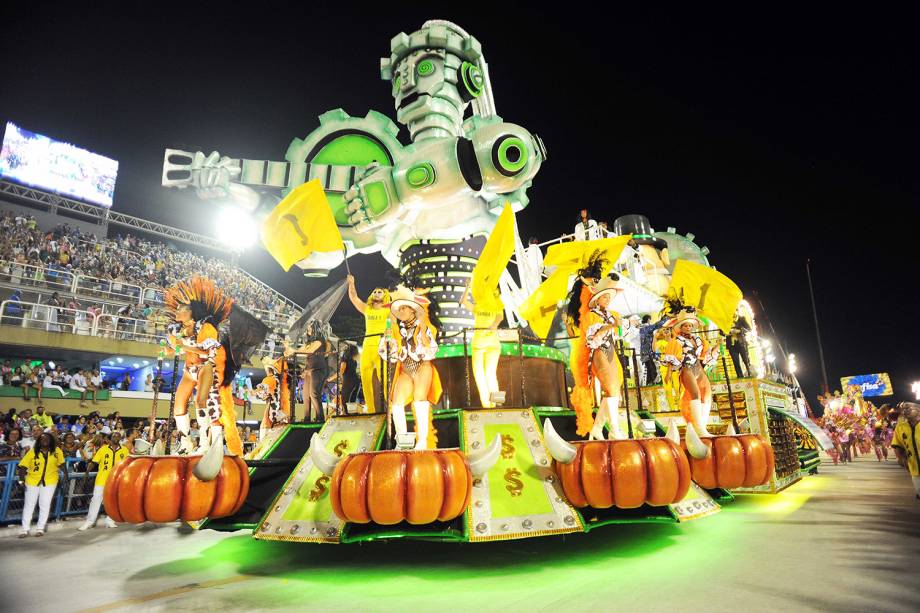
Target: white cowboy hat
[(682, 318), (403, 296), (268, 362), (604, 286)]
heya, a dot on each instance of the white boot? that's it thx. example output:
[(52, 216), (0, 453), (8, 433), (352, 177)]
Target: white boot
[(398, 412), (702, 418), (597, 430), (422, 409), (613, 416), (183, 425)]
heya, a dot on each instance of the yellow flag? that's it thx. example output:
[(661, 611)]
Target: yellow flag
[(540, 307), (713, 294), (300, 225), (494, 258)]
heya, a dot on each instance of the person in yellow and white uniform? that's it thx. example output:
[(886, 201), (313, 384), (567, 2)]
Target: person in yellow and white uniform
[(39, 467), (106, 458)]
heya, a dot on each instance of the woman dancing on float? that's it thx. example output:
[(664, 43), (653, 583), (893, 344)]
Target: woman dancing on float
[(376, 315), (593, 356), (687, 356), (415, 380), (486, 349), (198, 307), (274, 391)]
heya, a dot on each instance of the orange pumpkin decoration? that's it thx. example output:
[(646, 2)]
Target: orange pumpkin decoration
[(740, 460), (625, 474), (163, 489), (387, 487)]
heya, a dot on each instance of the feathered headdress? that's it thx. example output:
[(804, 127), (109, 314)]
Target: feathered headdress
[(206, 301)]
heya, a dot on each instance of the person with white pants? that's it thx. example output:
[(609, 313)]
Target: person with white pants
[(106, 459), (39, 467)]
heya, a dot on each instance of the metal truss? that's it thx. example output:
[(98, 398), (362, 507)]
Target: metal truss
[(104, 216)]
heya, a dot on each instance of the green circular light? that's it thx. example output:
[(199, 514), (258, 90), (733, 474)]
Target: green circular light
[(425, 67), (512, 154), (472, 79), (420, 175)]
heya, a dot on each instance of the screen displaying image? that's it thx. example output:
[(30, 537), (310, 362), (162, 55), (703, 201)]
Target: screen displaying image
[(44, 163)]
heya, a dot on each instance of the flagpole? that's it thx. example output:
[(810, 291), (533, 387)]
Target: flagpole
[(814, 312)]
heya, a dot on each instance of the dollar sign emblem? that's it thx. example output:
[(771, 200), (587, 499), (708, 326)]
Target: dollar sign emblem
[(339, 449), (319, 489), (515, 486), (507, 446)]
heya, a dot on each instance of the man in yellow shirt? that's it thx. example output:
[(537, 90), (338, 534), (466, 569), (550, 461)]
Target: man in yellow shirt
[(40, 468), (43, 419), (106, 459)]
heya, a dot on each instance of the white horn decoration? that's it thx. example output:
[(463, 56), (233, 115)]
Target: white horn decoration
[(561, 450), (208, 467), (673, 432), (322, 459), (141, 447), (695, 447), (483, 460), (730, 431)]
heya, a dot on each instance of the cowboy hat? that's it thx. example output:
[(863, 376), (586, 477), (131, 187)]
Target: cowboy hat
[(607, 285), (403, 296)]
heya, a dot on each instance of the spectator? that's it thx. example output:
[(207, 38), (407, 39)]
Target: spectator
[(79, 426), (11, 448), (39, 467), (43, 419), (12, 312), (33, 433), (126, 382), (95, 384), (106, 458), (70, 446), (79, 384), (148, 383), (49, 383), (27, 378), (6, 373)]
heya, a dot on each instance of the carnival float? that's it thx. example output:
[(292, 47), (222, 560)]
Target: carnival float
[(531, 411)]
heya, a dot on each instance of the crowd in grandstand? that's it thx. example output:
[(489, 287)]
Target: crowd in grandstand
[(120, 265)]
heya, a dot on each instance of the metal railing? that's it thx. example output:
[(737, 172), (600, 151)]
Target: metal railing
[(47, 317), (71, 497), (88, 287)]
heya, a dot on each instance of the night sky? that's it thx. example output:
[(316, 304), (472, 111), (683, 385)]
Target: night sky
[(773, 137)]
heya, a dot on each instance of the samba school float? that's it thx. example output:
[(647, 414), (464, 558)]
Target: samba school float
[(500, 413)]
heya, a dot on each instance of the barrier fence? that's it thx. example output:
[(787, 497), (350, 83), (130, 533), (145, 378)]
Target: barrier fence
[(71, 498)]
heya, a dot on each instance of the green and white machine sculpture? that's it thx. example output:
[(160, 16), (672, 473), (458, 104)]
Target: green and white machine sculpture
[(426, 206)]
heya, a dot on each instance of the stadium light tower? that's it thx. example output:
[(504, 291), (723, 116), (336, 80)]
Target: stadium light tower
[(915, 387), (236, 228), (791, 363)]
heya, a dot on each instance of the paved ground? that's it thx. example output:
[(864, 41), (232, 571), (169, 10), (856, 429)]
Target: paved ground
[(845, 540)]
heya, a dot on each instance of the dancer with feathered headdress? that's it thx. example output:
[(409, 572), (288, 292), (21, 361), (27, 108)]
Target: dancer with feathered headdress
[(595, 325), (198, 308)]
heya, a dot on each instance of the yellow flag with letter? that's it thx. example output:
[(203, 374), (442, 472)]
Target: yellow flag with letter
[(301, 225), (494, 258), (540, 307), (712, 294)]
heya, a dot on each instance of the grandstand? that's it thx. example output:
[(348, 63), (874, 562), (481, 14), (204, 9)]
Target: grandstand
[(75, 291)]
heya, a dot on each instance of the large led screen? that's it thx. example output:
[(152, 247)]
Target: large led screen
[(44, 163)]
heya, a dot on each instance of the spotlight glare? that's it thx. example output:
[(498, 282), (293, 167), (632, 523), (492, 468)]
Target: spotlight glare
[(236, 228)]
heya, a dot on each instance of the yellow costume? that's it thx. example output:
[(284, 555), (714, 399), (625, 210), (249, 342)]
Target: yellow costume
[(908, 440), (375, 324), (486, 350)]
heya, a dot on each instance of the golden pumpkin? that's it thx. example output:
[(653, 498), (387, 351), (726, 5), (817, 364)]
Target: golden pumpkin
[(163, 489), (625, 474), (739, 460), (388, 487)]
